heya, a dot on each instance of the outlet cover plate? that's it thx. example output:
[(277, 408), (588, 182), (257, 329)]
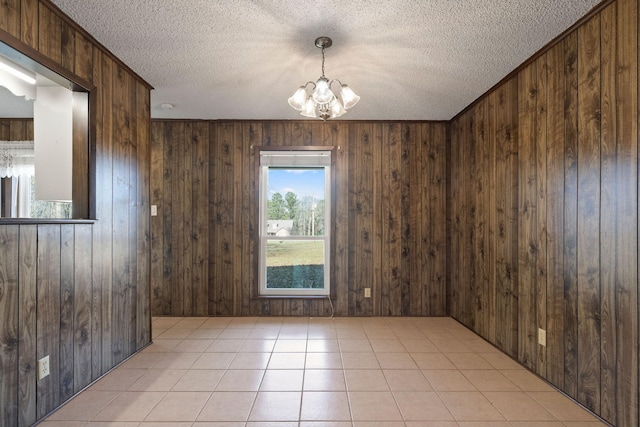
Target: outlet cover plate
[(43, 368), (542, 337), (367, 292)]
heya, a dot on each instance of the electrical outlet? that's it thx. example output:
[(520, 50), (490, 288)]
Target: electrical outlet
[(43, 367), (367, 292), (542, 337)]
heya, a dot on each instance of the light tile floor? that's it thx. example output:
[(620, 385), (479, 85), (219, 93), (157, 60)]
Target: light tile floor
[(318, 372)]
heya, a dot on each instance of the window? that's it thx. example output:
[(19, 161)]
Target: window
[(52, 180), (17, 185), (295, 218)]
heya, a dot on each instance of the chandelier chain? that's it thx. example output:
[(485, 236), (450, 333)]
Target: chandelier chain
[(322, 61)]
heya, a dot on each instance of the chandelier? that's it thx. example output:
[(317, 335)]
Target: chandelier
[(317, 99)]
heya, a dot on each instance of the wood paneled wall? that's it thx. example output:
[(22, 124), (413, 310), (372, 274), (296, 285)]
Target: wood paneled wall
[(16, 129), (77, 292), (390, 221), (544, 214)]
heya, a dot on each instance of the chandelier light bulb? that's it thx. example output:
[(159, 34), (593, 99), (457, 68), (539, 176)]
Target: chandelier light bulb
[(337, 109), (322, 93), (298, 99), (309, 109), (349, 97)]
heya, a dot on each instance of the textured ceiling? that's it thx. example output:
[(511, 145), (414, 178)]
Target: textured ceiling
[(242, 59)]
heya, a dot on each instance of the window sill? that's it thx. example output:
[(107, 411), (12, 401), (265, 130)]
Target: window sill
[(29, 221), (262, 297)]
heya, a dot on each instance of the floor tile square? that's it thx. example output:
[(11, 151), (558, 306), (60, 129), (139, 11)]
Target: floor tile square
[(323, 361), (323, 346), (406, 380), (561, 407), (84, 406), (421, 406), (257, 346), (290, 346), (227, 406), (324, 380), (250, 361), (199, 380), (225, 346), (130, 406), (373, 406), (179, 406), (419, 346), (325, 405), (468, 361), (387, 345), (360, 361), (240, 380), (276, 406), (282, 380), (470, 406), (213, 361), (432, 361), (355, 346), (157, 380), (489, 380), (396, 361), (287, 361), (518, 406), (448, 380), (365, 380)]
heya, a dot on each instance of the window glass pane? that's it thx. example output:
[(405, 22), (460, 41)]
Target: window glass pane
[(295, 205), (295, 264)]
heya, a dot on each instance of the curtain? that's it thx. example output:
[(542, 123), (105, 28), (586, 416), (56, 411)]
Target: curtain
[(16, 163)]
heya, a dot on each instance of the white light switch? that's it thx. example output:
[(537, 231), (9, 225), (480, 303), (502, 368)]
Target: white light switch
[(154, 210)]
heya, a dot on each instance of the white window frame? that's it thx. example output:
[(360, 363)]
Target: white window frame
[(303, 159)]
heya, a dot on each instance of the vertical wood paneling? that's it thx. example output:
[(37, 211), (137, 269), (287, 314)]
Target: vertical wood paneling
[(555, 215), (408, 225), (10, 17), (570, 215), (9, 327), (338, 136), (49, 33), (527, 288), (626, 280), (576, 251), (142, 209), (27, 321), (454, 302), (66, 272), (30, 22), (48, 318), (376, 225), (608, 213), (82, 313), (174, 228), (104, 243), (159, 303), (121, 268), (589, 214), (67, 298), (200, 232), (16, 129), (541, 212)]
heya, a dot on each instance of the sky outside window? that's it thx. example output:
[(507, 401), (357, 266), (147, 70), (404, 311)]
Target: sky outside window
[(301, 182)]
